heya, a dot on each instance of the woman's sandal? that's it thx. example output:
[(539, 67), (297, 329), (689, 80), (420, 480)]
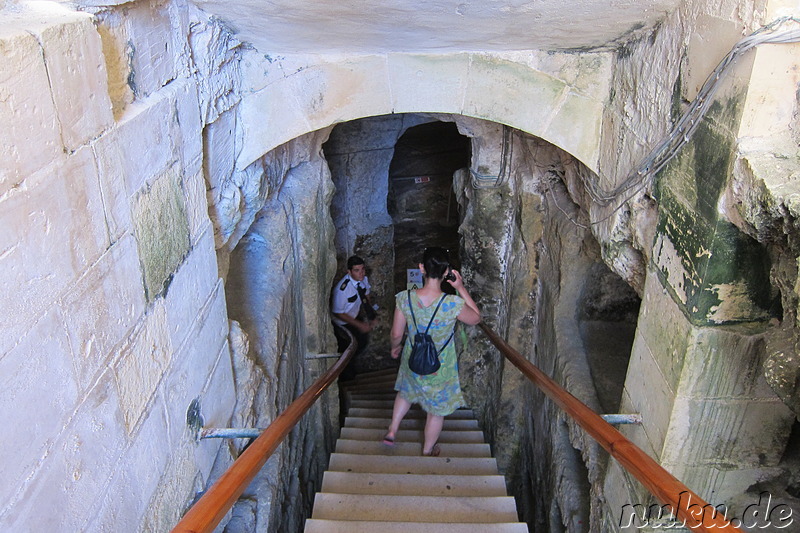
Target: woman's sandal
[(435, 451), (388, 441)]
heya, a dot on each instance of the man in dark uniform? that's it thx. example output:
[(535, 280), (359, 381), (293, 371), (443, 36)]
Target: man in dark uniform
[(351, 306)]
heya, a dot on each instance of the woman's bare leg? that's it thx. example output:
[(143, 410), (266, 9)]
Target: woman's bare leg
[(433, 428), (401, 407)]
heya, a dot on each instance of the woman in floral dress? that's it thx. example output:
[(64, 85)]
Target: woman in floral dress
[(439, 394)]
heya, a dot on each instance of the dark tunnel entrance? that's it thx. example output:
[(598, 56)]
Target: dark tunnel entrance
[(420, 197)]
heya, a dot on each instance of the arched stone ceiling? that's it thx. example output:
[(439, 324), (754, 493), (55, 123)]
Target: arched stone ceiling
[(358, 26), (567, 112)]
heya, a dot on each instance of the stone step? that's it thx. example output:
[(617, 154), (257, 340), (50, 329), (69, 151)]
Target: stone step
[(413, 484), (382, 384), (370, 377), (410, 448), (388, 508), (355, 526), (373, 401), (410, 435), (411, 423), (347, 462), (414, 413)]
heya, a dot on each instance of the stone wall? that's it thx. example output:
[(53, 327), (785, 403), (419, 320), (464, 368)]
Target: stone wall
[(113, 313), (697, 367)]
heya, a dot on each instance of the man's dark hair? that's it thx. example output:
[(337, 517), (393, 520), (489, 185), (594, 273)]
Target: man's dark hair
[(354, 260), (436, 262)]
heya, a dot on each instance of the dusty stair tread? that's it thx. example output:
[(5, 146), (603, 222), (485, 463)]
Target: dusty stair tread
[(455, 449), (411, 435), (378, 397), (371, 376), (346, 462), (414, 413), (354, 526), (372, 403), (371, 388), (379, 507), (413, 484), (450, 424)]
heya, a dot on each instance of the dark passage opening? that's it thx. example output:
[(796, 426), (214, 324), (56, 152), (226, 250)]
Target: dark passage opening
[(420, 197)]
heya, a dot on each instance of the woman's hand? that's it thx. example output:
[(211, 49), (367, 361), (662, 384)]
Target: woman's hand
[(458, 283), (395, 353)]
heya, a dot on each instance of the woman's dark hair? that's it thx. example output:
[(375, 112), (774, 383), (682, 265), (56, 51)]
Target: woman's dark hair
[(436, 262)]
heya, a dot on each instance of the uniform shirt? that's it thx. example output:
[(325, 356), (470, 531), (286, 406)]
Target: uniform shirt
[(346, 299)]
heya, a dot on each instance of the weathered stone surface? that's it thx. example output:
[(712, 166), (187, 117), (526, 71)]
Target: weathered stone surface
[(189, 132), (194, 365), (77, 75), (727, 432), (435, 27), (193, 283), (305, 99), (103, 308), (145, 461), (31, 136), (79, 468), (142, 364), (250, 382), (154, 58), (194, 188), (162, 231), (51, 230), (40, 393), (215, 53), (110, 161), (218, 399), (145, 139), (117, 53), (178, 485), (315, 232), (423, 83), (782, 372)]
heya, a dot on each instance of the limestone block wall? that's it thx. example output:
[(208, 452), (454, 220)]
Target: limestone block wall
[(113, 314)]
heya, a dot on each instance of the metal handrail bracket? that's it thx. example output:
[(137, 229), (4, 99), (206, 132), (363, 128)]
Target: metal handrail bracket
[(212, 507)]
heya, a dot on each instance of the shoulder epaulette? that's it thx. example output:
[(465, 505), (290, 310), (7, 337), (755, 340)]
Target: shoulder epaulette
[(344, 284)]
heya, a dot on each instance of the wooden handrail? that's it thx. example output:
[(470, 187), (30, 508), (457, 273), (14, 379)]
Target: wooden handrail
[(687, 506), (209, 510)]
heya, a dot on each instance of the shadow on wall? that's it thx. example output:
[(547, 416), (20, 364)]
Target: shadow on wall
[(607, 316)]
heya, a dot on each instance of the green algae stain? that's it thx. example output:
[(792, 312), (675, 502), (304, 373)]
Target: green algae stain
[(723, 274), (162, 232)]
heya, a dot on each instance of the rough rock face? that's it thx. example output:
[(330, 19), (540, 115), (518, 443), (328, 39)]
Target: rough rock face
[(277, 286)]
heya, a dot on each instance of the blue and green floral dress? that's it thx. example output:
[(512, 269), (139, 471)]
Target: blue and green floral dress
[(438, 393)]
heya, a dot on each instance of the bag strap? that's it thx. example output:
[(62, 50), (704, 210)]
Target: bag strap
[(434, 313), (411, 307), (448, 339), (414, 318)]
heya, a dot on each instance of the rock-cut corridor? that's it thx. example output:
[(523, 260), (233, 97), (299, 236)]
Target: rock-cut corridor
[(181, 183)]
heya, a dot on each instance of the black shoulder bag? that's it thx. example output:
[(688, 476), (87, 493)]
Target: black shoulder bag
[(424, 358)]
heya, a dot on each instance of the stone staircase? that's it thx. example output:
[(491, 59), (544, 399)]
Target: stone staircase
[(370, 487)]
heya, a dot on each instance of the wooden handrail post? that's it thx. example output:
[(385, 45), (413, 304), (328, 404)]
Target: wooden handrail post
[(688, 507), (210, 509)]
